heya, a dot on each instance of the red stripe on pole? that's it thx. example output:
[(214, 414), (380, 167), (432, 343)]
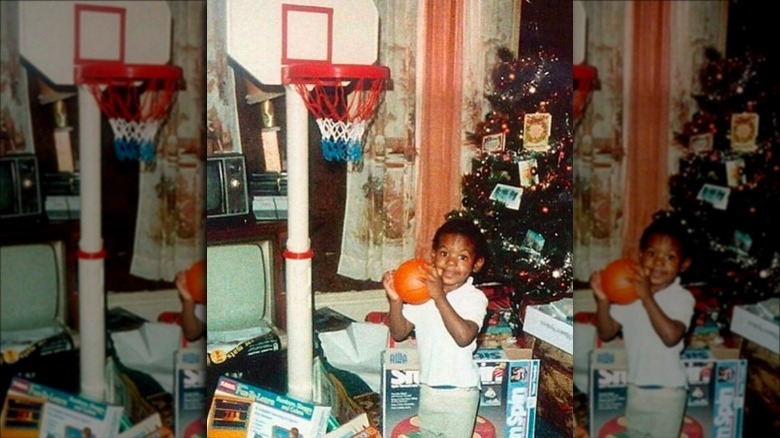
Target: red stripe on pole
[(298, 255)]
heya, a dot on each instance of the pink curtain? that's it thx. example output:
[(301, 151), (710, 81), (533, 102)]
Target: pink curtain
[(647, 129), (438, 185)]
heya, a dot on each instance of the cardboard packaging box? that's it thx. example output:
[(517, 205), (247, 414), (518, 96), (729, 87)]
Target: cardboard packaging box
[(555, 404), (190, 391), (32, 410), (552, 323), (242, 410), (255, 361), (509, 378), (716, 393), (357, 427), (759, 323)]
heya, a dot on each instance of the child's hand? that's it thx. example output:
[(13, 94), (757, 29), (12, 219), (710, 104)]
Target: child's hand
[(181, 286), (388, 282), (434, 282), (642, 283), (598, 290)]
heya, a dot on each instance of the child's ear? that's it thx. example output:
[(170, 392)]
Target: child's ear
[(685, 264), (478, 264)]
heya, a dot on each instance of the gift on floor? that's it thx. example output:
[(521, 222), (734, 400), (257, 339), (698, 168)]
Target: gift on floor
[(509, 379), (239, 409), (191, 400), (716, 393), (759, 322), (32, 410)]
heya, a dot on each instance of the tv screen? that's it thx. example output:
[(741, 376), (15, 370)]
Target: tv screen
[(240, 291), (32, 280), (214, 194), (7, 188), (19, 186), (226, 189)]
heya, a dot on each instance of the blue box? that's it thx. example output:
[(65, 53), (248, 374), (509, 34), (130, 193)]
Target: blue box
[(509, 376), (191, 400), (716, 394)]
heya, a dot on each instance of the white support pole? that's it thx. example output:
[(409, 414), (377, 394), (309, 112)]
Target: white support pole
[(298, 253), (91, 255)]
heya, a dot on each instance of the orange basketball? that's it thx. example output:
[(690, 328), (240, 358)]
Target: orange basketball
[(409, 281), (196, 281), (617, 279)]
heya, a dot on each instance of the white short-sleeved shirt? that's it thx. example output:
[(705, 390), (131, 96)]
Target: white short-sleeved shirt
[(442, 361), (650, 362)]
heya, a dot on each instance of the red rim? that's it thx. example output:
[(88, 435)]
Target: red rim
[(584, 72), (305, 73), (109, 71)]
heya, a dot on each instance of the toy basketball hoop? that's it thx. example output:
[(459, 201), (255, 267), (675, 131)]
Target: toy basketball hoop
[(342, 98), (135, 98)]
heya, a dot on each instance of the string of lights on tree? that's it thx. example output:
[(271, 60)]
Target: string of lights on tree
[(531, 245), (730, 193)]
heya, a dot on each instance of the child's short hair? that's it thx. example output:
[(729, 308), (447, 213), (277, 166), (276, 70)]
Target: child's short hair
[(672, 226), (467, 229)]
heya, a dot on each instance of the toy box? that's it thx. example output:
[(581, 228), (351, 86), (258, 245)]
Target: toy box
[(190, 391), (242, 410), (32, 410), (509, 378), (255, 361), (716, 393)]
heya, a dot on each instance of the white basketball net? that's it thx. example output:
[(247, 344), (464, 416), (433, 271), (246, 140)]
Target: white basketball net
[(135, 113), (342, 140), (134, 140)]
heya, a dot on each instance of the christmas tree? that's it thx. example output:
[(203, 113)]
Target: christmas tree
[(728, 186), (519, 190)]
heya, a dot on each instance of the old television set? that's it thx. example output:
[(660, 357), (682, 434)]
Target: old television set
[(226, 186), (20, 187), (36, 340), (241, 311)]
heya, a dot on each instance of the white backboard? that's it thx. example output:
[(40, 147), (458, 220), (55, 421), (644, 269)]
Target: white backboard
[(56, 36), (263, 36)]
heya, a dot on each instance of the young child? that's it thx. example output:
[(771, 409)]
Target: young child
[(193, 315), (446, 328), (653, 329)]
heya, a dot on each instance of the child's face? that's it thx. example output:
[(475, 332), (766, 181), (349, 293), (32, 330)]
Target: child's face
[(662, 261), (454, 260)]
